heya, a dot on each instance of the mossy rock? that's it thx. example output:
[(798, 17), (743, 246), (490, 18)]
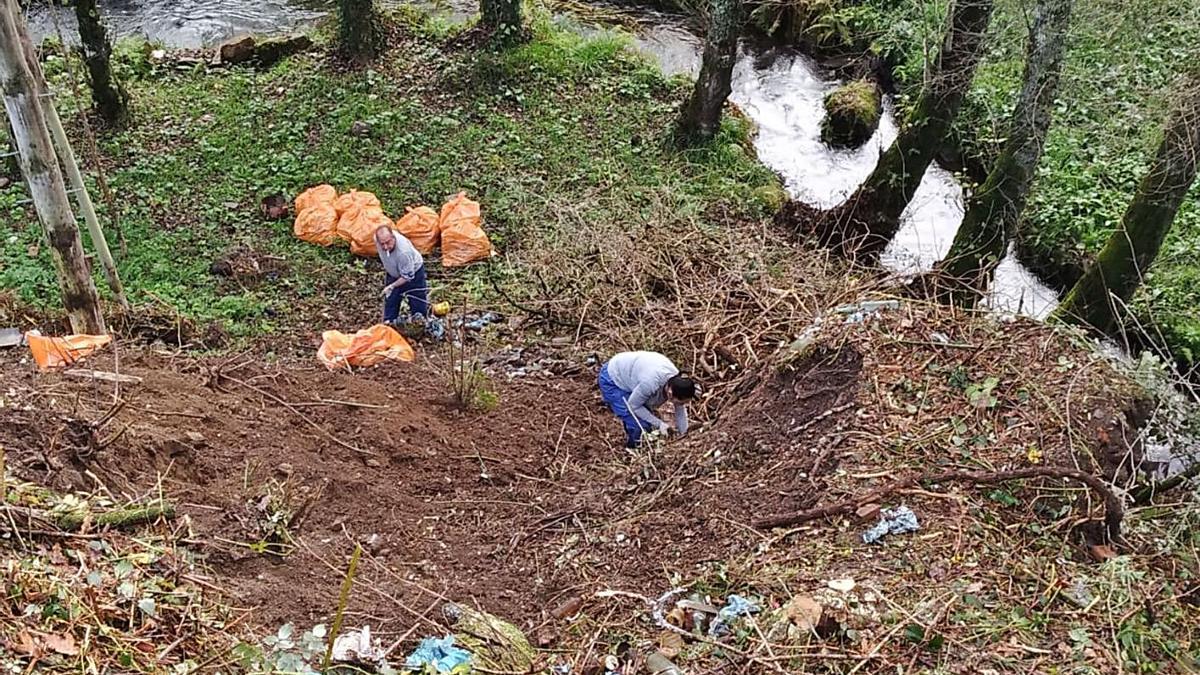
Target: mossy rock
[(771, 197), (852, 113)]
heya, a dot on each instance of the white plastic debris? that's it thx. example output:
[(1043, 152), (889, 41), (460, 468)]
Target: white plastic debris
[(356, 645)]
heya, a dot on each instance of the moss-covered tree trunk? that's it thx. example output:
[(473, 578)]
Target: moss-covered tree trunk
[(1099, 298), (43, 177), (700, 117), (109, 97), (502, 18), (358, 28), (992, 214), (868, 220)]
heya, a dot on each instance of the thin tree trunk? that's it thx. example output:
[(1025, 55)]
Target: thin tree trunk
[(44, 179), (701, 115), (112, 102), (865, 224), (992, 214), (502, 18), (1097, 299), (358, 25)]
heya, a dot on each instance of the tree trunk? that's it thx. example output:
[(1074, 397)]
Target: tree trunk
[(358, 26), (502, 18), (44, 179), (868, 220), (992, 214), (112, 102), (1099, 298), (701, 115)]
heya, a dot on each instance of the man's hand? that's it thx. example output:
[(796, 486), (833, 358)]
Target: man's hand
[(387, 290), (666, 430)]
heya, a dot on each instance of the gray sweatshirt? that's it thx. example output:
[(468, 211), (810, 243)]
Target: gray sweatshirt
[(644, 375), (403, 261)]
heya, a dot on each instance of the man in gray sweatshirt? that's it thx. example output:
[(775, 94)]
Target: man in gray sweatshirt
[(635, 384)]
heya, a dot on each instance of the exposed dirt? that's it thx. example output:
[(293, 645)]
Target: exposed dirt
[(513, 509)]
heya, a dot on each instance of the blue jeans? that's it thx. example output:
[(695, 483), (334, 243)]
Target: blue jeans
[(617, 401), (416, 290)]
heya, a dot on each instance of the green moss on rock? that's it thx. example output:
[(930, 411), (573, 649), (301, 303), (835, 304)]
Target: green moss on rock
[(852, 114)]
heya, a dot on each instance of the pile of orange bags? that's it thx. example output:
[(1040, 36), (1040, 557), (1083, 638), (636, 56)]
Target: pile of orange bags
[(324, 218), (367, 347), (57, 352)]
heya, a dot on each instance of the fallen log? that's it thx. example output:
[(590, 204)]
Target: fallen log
[(32, 518), (1113, 511)]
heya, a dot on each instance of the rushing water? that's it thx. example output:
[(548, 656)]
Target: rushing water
[(779, 88)]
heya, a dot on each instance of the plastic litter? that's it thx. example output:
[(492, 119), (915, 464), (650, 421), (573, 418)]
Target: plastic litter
[(859, 312), (367, 347), (480, 322), (357, 646), (892, 521), (320, 194), (11, 337), (357, 225), (735, 607), (57, 352), (439, 653), (317, 224)]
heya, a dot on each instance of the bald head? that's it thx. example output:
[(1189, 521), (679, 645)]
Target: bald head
[(384, 238)]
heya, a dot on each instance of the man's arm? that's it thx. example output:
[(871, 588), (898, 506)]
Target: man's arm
[(637, 405)]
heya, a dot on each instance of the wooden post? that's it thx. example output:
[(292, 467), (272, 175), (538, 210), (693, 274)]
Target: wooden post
[(44, 178)]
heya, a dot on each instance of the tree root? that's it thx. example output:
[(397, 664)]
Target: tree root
[(12, 515), (1113, 511)]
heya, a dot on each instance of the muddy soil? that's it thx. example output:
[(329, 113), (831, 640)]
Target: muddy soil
[(512, 509)]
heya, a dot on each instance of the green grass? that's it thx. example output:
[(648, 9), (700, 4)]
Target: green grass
[(531, 133), (1123, 58)]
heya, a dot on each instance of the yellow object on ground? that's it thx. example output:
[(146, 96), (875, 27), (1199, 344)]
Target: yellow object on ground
[(317, 224), (367, 347), (357, 225), (441, 309), (422, 227), (319, 194), (56, 352), (463, 240)]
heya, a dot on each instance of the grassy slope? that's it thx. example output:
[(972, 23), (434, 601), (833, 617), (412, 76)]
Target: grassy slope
[(1122, 61), (530, 134)]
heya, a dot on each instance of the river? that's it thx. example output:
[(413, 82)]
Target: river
[(780, 89)]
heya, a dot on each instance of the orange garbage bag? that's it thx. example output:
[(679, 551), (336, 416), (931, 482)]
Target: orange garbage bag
[(56, 352), (318, 224), (367, 347), (463, 240), (320, 194), (353, 199), (458, 210), (358, 226), (422, 227)]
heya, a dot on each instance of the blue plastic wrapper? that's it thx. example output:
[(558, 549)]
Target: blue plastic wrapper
[(892, 521), (735, 606), (439, 653)]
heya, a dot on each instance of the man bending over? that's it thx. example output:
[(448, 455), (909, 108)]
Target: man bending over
[(635, 384)]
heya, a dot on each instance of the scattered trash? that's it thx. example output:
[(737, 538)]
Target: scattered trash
[(858, 312), (441, 309), (735, 607), (356, 646), (1080, 595), (496, 644), (479, 322), (892, 521), (940, 337), (56, 352), (439, 654), (367, 347), (841, 585), (11, 337)]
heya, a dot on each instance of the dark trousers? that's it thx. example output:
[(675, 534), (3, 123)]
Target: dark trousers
[(617, 400), (416, 291)]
